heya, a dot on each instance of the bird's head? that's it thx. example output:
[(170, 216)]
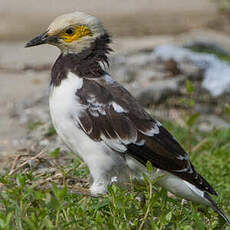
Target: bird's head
[(71, 32)]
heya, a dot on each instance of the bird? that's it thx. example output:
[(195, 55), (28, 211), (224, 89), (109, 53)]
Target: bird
[(103, 124)]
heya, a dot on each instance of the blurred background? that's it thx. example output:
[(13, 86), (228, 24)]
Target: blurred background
[(150, 59), (22, 19)]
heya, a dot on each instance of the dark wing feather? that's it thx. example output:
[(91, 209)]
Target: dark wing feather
[(115, 117)]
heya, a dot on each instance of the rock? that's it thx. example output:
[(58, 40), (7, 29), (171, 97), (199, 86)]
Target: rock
[(140, 59), (213, 81), (157, 91), (191, 71), (208, 122), (125, 75), (171, 66)]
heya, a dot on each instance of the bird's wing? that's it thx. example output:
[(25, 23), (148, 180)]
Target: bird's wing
[(113, 116)]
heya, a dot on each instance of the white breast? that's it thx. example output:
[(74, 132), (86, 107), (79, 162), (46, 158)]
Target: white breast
[(65, 110), (63, 103)]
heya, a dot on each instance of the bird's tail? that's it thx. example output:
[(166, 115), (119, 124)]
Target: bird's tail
[(216, 208)]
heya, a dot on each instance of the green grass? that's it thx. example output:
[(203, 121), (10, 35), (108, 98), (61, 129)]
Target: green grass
[(23, 206)]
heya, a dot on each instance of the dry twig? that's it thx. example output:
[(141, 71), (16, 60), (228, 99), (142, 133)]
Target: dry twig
[(200, 144), (25, 162)]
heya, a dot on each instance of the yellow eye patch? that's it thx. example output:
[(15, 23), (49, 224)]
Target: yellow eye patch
[(75, 33)]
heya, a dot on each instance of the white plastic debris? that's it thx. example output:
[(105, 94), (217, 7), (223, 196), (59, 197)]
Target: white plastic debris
[(216, 72)]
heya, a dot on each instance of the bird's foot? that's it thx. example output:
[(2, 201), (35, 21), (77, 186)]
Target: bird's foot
[(98, 189), (184, 202)]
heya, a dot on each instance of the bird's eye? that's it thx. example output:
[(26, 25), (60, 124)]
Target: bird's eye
[(70, 31)]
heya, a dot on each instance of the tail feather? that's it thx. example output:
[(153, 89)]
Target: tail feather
[(216, 208)]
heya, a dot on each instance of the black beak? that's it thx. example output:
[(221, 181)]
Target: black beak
[(39, 40)]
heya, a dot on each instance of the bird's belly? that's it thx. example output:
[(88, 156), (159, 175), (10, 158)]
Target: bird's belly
[(62, 108), (97, 156), (65, 110), (71, 135)]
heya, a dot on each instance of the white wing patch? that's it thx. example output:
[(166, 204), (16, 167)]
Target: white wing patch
[(188, 169), (118, 108), (153, 131), (180, 157), (158, 123), (95, 107), (140, 143), (114, 143)]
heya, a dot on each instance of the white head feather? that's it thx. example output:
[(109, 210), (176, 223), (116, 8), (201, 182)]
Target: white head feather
[(72, 19), (76, 18)]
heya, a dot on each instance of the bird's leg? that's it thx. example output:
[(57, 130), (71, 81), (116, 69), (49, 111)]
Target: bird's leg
[(100, 183), (103, 177)]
